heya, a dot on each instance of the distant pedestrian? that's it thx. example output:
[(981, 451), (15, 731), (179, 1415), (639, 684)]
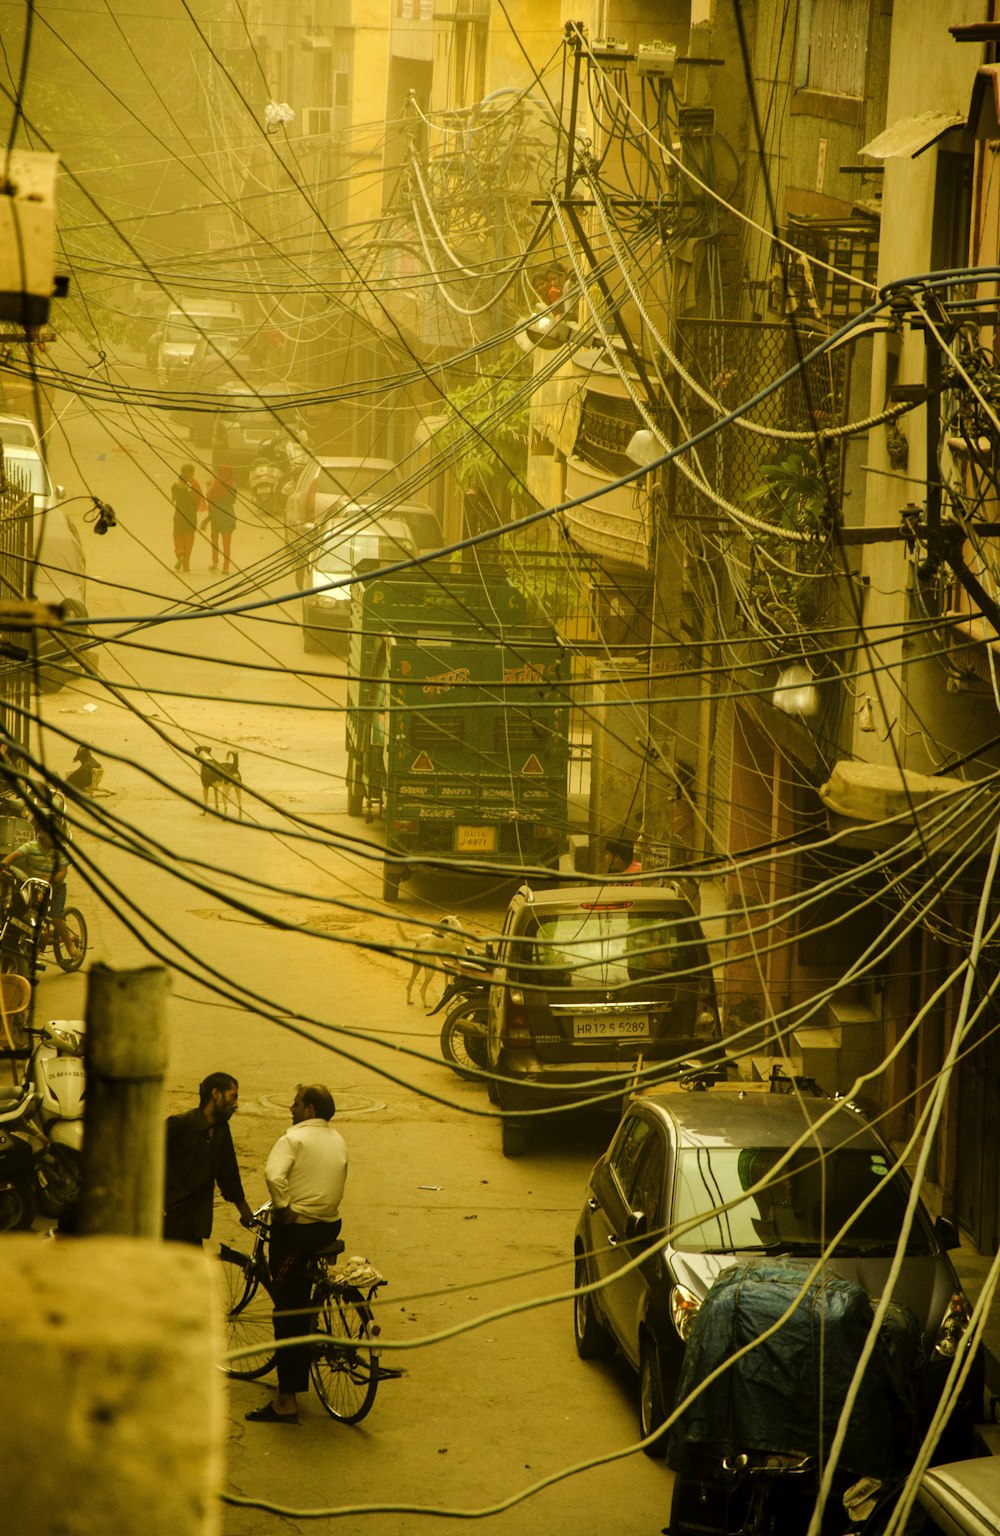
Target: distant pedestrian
[(185, 493), (200, 1155), (221, 515), (621, 857)]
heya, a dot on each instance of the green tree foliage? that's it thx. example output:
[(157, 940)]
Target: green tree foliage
[(788, 580), (486, 440)]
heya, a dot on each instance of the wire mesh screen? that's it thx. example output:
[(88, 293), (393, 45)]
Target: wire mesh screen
[(731, 359)]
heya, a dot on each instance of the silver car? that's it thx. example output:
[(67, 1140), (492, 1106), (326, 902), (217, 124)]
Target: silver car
[(696, 1180)]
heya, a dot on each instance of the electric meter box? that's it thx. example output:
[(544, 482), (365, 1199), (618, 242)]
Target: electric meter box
[(656, 59)]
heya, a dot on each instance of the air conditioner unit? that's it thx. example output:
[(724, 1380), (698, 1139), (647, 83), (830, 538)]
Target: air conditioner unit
[(317, 122)]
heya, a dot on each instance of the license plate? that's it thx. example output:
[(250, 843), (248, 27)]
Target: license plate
[(634, 1028), (475, 839)]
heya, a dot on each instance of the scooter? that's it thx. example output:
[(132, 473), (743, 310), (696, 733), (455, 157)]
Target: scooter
[(46, 1107), (463, 1033), (274, 473), (748, 1448), (17, 1180)]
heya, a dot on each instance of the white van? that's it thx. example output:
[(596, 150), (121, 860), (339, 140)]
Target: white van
[(183, 329)]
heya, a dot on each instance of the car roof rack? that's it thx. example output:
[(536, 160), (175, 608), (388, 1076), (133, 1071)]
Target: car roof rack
[(781, 1082)]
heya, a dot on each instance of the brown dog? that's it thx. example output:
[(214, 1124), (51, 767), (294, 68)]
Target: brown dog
[(220, 782), (432, 951)]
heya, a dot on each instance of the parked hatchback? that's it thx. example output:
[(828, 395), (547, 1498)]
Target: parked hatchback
[(696, 1180), (60, 574), (327, 486), (341, 555), (591, 982)]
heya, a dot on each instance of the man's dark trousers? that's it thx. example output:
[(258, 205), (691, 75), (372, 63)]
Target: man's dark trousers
[(291, 1247)]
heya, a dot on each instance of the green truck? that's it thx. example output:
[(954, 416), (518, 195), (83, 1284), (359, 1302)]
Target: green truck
[(457, 722)]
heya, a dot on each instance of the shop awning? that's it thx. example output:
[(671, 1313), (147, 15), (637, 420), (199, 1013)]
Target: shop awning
[(878, 806), (908, 137)]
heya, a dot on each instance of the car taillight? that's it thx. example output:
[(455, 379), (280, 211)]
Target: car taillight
[(953, 1325), (515, 1023), (398, 824), (684, 1305)]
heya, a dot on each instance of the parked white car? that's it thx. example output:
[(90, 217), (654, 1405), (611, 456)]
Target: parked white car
[(52, 540)]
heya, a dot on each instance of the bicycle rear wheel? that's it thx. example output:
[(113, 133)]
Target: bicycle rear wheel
[(247, 1310), (344, 1365), (71, 955)]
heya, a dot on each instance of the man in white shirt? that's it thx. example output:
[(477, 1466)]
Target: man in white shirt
[(306, 1171)]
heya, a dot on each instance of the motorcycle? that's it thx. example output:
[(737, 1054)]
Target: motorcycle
[(46, 1108), (25, 905), (748, 1448), (463, 1033)]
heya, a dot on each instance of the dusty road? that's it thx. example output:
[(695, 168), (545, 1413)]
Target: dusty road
[(503, 1406)]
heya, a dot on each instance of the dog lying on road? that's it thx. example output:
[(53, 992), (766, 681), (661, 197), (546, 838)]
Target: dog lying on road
[(221, 783), (431, 952)]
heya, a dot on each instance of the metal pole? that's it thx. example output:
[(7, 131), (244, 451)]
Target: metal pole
[(123, 1141)]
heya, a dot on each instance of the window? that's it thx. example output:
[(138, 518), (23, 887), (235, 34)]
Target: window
[(832, 46), (808, 1201), (628, 1152), (608, 949)]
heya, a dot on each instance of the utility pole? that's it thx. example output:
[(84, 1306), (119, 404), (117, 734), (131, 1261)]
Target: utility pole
[(123, 1143)]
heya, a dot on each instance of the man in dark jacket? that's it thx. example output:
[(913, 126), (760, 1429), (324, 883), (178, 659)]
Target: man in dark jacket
[(200, 1155)]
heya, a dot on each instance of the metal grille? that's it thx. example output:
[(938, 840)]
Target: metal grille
[(607, 424), (850, 245), (432, 732), (731, 358)]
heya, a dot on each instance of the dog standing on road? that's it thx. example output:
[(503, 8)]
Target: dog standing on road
[(432, 951), (221, 782)]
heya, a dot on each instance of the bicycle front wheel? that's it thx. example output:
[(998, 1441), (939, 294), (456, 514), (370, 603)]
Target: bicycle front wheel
[(344, 1365), (247, 1309), (71, 948)]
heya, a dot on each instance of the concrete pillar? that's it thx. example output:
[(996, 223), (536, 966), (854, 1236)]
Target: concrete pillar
[(113, 1415)]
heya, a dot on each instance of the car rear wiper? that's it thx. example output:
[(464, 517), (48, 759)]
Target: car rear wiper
[(873, 1250)]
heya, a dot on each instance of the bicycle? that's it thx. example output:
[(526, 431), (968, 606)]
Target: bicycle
[(345, 1366), (27, 929)]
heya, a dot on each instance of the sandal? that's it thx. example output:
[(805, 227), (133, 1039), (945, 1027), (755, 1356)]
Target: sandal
[(269, 1415)]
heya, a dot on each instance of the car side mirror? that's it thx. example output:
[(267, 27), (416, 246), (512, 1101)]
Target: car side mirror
[(636, 1225), (947, 1233)]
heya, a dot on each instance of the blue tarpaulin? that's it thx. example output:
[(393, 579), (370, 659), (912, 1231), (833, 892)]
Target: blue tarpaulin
[(786, 1394)]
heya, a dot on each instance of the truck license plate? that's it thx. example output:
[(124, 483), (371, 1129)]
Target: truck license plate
[(634, 1028), (475, 839)]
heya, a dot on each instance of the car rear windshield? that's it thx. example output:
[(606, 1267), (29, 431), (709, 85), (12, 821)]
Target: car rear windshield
[(798, 1211), (182, 328), (354, 481), (608, 947), (29, 469)]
